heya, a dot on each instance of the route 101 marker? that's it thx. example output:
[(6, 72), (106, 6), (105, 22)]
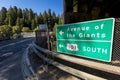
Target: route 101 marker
[(90, 39)]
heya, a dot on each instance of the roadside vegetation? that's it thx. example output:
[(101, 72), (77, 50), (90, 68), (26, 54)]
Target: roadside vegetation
[(14, 21)]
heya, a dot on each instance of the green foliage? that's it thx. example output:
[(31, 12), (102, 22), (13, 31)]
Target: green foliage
[(54, 29), (30, 15), (25, 29), (60, 21), (45, 17), (15, 36), (41, 19), (36, 20), (12, 16), (54, 19), (13, 20), (16, 29), (5, 32), (19, 13), (18, 21), (3, 15), (49, 22), (33, 24), (35, 29)]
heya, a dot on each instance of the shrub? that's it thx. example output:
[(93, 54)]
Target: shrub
[(15, 36), (5, 32), (35, 29), (16, 29)]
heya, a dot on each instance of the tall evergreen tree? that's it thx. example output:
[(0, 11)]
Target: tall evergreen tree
[(21, 23), (41, 20), (49, 19), (3, 15), (45, 17), (60, 21), (54, 16), (30, 17), (25, 16), (33, 25), (18, 21), (54, 19), (15, 10), (30, 14), (36, 20), (11, 17), (7, 18), (19, 13)]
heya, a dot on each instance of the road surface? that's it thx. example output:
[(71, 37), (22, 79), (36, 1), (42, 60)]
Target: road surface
[(10, 58)]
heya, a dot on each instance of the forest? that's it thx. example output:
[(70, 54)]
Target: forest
[(16, 20)]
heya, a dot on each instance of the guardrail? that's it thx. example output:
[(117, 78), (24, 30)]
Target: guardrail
[(80, 74), (79, 61)]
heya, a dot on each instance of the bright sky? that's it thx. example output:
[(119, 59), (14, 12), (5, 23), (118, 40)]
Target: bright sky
[(36, 5)]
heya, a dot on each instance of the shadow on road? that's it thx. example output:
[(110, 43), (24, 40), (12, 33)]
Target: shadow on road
[(10, 57)]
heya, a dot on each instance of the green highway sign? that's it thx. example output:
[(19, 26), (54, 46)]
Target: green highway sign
[(90, 39)]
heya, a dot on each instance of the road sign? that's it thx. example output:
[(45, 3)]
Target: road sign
[(90, 39)]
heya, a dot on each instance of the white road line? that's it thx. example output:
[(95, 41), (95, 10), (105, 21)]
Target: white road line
[(13, 43)]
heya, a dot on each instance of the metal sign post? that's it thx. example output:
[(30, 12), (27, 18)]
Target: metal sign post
[(90, 39)]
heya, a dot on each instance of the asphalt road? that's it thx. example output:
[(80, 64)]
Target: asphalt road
[(11, 56)]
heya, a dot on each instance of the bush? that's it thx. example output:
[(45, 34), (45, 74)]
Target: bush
[(25, 29), (5, 32), (35, 29), (15, 36), (16, 29)]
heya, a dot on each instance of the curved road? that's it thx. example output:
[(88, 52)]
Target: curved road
[(10, 58)]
